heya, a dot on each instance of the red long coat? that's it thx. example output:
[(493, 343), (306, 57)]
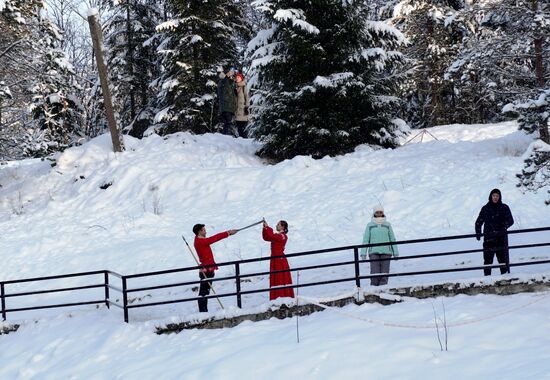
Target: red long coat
[(279, 262), (202, 246)]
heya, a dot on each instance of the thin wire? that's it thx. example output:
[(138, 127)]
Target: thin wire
[(430, 326)]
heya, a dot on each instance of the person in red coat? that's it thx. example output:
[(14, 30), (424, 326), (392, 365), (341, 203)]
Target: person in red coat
[(206, 258), (278, 262)]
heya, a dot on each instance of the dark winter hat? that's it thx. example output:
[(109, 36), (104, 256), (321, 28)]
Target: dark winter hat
[(495, 191), (197, 228), (227, 69)]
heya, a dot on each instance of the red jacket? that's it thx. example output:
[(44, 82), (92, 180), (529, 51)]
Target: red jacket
[(202, 246), (278, 241)]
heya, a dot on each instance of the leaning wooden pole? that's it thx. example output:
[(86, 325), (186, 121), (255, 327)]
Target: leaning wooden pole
[(198, 264), (97, 38)]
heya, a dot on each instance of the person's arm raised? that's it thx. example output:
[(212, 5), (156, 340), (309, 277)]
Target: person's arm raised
[(215, 238)]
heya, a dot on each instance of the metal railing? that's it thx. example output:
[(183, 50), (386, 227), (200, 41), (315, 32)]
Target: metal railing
[(354, 261), (104, 274)]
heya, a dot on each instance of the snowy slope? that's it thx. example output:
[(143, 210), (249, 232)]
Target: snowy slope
[(58, 220)]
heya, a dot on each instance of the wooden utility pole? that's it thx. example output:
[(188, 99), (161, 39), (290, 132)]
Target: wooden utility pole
[(97, 38)]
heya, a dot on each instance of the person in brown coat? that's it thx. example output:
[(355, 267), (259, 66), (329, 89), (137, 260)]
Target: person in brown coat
[(241, 114)]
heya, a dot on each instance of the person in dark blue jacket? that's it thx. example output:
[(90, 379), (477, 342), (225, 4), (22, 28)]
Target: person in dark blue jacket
[(227, 97), (496, 218)]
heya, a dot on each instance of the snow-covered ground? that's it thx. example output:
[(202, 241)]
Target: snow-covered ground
[(58, 220), (347, 343)]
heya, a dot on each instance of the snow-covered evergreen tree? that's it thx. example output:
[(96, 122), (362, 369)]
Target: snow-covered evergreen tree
[(435, 29), (323, 73), (201, 36), (534, 118), (38, 77), (502, 57), (15, 75), (133, 62), (57, 112)]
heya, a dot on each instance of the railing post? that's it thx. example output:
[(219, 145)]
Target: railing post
[(107, 289), (507, 255), (357, 273), (3, 296), (238, 284), (125, 299)]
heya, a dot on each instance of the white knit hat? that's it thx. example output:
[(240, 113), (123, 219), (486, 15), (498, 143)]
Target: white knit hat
[(377, 208)]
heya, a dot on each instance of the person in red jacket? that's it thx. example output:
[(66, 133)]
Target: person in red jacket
[(206, 258), (278, 262)]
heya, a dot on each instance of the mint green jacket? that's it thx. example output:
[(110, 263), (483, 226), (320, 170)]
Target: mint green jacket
[(379, 233)]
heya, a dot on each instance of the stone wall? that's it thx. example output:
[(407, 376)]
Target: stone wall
[(388, 297)]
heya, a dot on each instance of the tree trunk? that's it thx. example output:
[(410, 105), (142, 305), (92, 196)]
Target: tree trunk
[(544, 133), (434, 84), (539, 66), (130, 36), (97, 39), (537, 41)]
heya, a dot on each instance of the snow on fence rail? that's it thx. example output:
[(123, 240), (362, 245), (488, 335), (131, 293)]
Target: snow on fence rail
[(124, 290)]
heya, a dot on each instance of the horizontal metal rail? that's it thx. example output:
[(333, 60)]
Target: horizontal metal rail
[(304, 285), (328, 250), (57, 277), (538, 262), (55, 306), (58, 290), (115, 288), (238, 277), (328, 282), (227, 278), (175, 285), (321, 266), (450, 253)]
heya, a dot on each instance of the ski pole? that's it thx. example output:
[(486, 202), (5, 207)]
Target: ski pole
[(198, 264), (251, 225)]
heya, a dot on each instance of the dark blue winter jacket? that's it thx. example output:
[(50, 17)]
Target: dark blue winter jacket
[(227, 98), (495, 218)]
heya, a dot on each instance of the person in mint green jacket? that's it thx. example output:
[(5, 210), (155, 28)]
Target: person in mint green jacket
[(379, 231)]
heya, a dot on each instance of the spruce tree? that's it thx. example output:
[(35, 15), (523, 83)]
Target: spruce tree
[(501, 57), (42, 81), (132, 61), (201, 36), (323, 78), (16, 53), (57, 112), (434, 29), (534, 118)]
